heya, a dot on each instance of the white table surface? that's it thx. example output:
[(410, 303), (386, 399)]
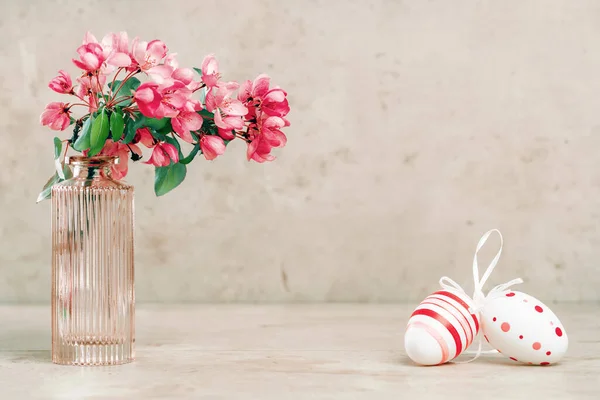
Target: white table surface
[(286, 352)]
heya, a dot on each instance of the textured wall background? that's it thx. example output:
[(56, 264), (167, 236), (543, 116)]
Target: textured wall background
[(416, 127)]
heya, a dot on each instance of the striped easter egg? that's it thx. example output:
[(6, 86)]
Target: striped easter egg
[(440, 328)]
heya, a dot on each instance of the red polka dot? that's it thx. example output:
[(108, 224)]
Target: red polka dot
[(537, 346), (505, 327), (548, 353), (511, 294), (558, 331), (512, 358), (494, 319), (530, 363), (539, 309), (520, 336), (545, 363)]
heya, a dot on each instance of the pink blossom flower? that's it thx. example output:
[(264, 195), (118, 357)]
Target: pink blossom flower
[(275, 102), (91, 57), (148, 55), (144, 137), (210, 71), (228, 111), (186, 122), (92, 82), (212, 146), (159, 101), (174, 98), (264, 135), (62, 83), (89, 38), (162, 155), (192, 105), (171, 60), (89, 87), (258, 95), (169, 72), (119, 170), (148, 99), (167, 75), (116, 49), (183, 75), (161, 74), (56, 116), (259, 150)]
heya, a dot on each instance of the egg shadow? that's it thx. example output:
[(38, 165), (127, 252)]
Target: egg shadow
[(407, 362), (508, 362)]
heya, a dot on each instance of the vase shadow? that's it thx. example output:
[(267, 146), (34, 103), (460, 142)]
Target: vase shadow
[(26, 356)]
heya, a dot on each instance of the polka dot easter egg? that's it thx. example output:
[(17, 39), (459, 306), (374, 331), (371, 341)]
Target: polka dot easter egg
[(523, 328)]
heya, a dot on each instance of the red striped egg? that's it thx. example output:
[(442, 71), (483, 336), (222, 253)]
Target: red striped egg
[(440, 328)]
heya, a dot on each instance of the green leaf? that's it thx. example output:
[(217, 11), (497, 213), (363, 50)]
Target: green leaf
[(211, 129), (130, 84), (156, 123), (83, 141), (117, 125), (190, 156), (67, 171), (158, 127), (204, 113), (168, 178), (46, 192), (198, 70), (99, 133), (57, 147), (131, 126), (161, 137)]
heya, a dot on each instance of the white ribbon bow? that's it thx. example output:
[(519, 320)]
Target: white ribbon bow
[(478, 296)]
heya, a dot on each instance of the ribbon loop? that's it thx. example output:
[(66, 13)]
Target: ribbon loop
[(479, 297), (450, 284)]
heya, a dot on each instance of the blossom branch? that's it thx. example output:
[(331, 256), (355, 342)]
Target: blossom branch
[(132, 73), (99, 85), (112, 85), (114, 102)]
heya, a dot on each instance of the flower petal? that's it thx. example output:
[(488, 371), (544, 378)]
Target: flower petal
[(119, 60)]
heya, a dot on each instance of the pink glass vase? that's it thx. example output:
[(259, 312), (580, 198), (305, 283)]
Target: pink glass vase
[(93, 299)]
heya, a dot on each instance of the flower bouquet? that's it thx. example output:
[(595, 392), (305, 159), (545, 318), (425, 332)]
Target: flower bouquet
[(173, 104), (132, 97)]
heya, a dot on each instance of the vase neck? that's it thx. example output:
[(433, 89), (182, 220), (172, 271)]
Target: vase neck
[(91, 167)]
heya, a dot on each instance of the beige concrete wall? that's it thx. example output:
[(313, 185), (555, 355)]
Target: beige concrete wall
[(416, 127)]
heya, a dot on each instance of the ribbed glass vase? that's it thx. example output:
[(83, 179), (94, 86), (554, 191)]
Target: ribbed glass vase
[(93, 300)]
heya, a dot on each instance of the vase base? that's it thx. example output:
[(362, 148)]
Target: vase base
[(92, 354)]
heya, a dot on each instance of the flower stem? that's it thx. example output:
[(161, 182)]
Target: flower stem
[(201, 87), (79, 104), (99, 85), (240, 136), (112, 85), (114, 102), (80, 98), (66, 148), (129, 75)]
